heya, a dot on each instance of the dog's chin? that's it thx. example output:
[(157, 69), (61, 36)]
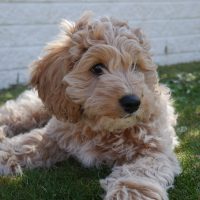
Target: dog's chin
[(110, 124)]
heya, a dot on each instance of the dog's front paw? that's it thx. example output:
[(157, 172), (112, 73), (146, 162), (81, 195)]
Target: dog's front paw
[(8, 162), (134, 190), (9, 165)]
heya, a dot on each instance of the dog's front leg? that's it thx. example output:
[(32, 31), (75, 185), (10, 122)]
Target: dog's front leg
[(147, 178), (34, 149), (23, 114)]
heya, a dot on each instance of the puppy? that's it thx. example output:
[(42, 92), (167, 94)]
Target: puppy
[(99, 101)]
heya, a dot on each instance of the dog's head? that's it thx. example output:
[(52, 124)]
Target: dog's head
[(100, 71)]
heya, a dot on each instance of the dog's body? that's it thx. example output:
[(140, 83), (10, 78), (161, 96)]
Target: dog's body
[(101, 87)]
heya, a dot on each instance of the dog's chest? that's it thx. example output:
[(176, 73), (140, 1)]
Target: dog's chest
[(103, 148)]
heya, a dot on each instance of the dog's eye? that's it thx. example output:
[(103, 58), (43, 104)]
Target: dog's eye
[(97, 69)]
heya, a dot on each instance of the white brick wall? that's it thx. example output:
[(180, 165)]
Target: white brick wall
[(173, 27)]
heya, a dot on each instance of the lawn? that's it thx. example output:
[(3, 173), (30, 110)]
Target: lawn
[(69, 181)]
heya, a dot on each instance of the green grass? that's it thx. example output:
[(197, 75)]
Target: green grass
[(11, 93), (70, 181), (184, 81)]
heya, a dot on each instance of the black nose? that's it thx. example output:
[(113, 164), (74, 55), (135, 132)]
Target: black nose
[(130, 103)]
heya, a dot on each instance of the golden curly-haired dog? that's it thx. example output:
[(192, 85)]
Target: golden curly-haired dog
[(100, 103)]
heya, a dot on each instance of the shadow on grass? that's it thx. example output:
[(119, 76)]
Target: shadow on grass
[(67, 180), (187, 185)]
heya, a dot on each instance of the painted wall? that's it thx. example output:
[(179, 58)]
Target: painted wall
[(173, 27)]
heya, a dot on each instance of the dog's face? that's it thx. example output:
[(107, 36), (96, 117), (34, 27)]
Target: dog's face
[(98, 71)]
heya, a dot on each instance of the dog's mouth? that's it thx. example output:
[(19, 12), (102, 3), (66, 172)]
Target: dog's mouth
[(106, 123)]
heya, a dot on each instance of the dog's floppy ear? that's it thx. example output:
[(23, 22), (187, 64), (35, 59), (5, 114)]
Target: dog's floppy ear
[(48, 72), (47, 77)]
